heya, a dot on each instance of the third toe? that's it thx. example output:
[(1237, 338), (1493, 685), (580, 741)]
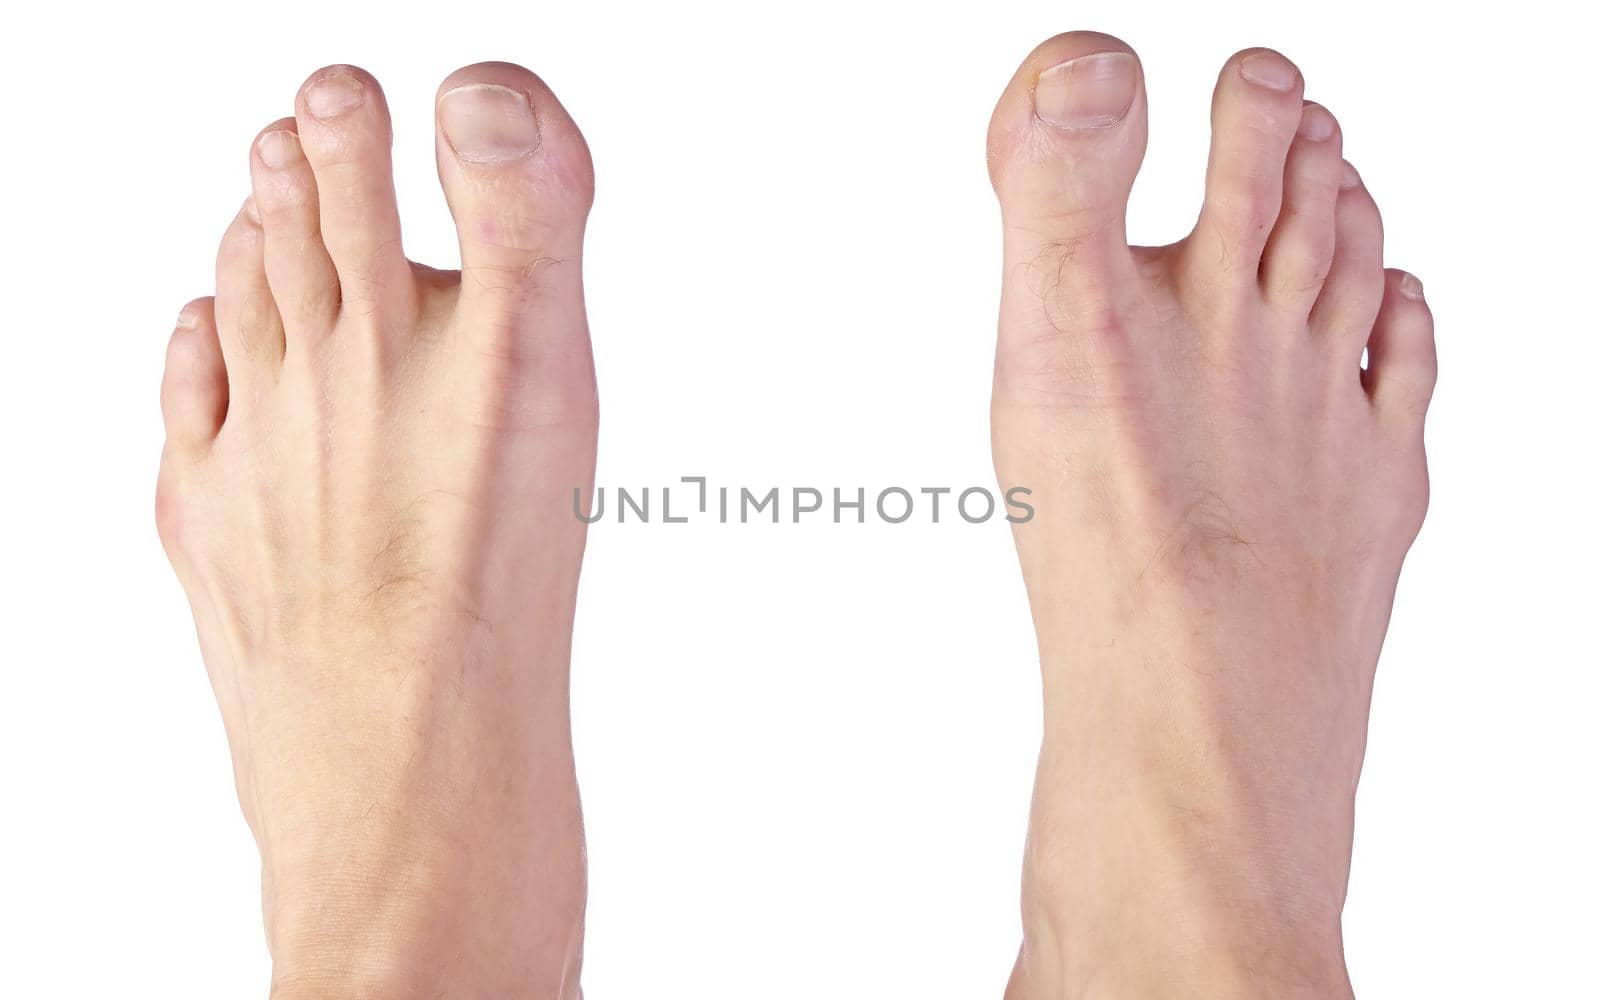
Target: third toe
[(1300, 250), (298, 268)]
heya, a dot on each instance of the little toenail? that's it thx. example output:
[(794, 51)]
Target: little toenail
[(1351, 178), (1093, 91), (187, 320), (1316, 124), (334, 95), (279, 149), (488, 123), (1410, 286), (250, 210), (1269, 70)]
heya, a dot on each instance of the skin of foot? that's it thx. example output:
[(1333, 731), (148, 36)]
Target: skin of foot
[(1224, 496), (365, 492)]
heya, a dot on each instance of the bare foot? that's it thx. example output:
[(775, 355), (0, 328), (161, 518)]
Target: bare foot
[(1224, 498), (366, 493)]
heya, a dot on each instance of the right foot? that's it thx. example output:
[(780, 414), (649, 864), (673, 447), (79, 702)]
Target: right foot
[(1224, 496), (366, 492)]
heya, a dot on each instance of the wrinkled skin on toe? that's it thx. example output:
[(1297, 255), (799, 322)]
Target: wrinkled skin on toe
[(1224, 497), (366, 495)]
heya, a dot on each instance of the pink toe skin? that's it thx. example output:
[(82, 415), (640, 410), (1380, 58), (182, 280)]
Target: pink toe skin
[(518, 177), (247, 320), (1299, 254), (1255, 115), (1347, 306), (1065, 143), (299, 271), (1403, 363), (343, 122)]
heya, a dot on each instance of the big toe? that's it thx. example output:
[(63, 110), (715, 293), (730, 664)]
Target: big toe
[(517, 174), (1065, 144)]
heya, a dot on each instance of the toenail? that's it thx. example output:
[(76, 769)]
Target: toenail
[(1269, 70), (279, 149), (1093, 91), (334, 95), (1410, 286), (187, 320), (1351, 178), (488, 123), (1315, 123), (250, 210)]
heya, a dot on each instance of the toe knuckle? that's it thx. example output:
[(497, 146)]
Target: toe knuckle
[(170, 510)]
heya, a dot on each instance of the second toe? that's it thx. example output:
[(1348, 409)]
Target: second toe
[(343, 127), (1255, 115)]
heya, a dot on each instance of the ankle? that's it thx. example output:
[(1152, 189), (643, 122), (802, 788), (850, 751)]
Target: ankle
[(1133, 947), (1259, 972), (422, 933), (1129, 902), (339, 952), (516, 960)]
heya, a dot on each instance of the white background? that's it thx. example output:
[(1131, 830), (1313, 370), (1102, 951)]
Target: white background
[(805, 751)]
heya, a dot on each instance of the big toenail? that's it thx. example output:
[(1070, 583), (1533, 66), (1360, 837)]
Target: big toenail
[(1351, 178), (1270, 70), (279, 149), (333, 95), (1093, 91), (1315, 123), (488, 123), (1410, 286)]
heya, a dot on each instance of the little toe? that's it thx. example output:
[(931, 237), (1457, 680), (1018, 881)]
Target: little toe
[(344, 129), (1064, 146), (1402, 363), (194, 386), (1348, 303), (1300, 250), (298, 268), (517, 175), (248, 325), (1255, 115)]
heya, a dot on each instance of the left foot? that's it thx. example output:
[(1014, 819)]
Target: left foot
[(366, 492)]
